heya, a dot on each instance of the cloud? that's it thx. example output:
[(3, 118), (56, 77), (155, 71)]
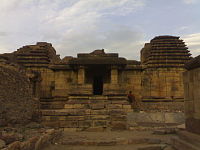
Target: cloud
[(190, 1), (193, 42), (183, 28), (2, 33), (72, 26), (121, 39)]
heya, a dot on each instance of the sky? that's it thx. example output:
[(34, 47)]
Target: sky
[(81, 26)]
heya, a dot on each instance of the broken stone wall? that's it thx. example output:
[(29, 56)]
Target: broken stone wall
[(63, 81), (133, 82), (192, 96), (17, 105), (47, 81)]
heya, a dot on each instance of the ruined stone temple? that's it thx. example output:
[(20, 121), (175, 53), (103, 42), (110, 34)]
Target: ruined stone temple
[(90, 90)]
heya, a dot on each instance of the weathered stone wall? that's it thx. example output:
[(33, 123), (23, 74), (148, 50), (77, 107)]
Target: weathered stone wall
[(47, 83), (63, 81), (162, 83), (16, 101), (145, 53), (133, 82), (192, 98)]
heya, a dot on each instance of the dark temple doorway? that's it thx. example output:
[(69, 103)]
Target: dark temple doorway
[(97, 76), (98, 85)]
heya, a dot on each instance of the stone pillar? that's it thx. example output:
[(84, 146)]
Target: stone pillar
[(81, 75), (114, 75)]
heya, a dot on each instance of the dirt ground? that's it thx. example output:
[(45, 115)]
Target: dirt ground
[(112, 140)]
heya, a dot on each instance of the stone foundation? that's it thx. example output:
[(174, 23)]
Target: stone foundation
[(89, 112), (162, 106)]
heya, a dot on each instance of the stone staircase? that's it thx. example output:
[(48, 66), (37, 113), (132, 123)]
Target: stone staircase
[(90, 113), (53, 103), (186, 141)]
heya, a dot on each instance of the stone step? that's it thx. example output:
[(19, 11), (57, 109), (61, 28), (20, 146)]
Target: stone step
[(60, 98), (79, 112), (180, 144), (65, 112), (152, 147), (109, 147), (117, 98), (78, 118), (96, 106), (78, 97), (146, 142), (83, 112), (87, 125), (86, 101), (88, 97), (52, 105), (98, 97), (190, 137), (46, 99)]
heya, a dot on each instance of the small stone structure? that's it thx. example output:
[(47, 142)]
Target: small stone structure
[(192, 95), (97, 83), (163, 62)]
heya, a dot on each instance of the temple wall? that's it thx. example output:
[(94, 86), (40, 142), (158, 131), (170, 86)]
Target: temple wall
[(63, 80), (192, 100), (162, 83), (133, 80), (47, 83)]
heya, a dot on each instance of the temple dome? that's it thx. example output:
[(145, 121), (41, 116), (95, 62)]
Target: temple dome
[(165, 52)]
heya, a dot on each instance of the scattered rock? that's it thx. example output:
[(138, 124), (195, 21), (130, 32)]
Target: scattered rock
[(33, 141), (25, 145), (2, 144), (11, 137), (14, 146)]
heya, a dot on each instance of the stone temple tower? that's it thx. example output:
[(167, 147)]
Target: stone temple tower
[(163, 62)]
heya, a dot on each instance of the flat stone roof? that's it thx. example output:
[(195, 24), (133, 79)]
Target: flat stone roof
[(98, 57), (97, 61)]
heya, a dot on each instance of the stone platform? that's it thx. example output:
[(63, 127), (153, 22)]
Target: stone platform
[(90, 113), (186, 141), (112, 140)]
